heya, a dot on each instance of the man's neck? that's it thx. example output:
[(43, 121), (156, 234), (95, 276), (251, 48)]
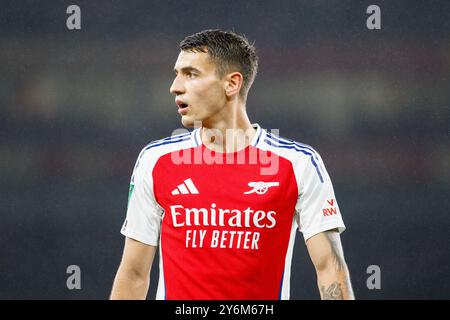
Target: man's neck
[(230, 134)]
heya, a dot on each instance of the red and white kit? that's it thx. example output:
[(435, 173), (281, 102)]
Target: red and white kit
[(225, 223)]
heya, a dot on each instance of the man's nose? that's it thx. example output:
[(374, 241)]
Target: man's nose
[(177, 87)]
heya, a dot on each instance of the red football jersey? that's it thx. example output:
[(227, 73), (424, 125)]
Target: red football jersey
[(225, 223)]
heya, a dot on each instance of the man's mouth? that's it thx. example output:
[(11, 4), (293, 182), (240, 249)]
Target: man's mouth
[(181, 104), (182, 107)]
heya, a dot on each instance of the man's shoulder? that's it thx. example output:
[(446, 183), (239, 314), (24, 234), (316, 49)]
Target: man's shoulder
[(167, 144), (304, 156), (289, 145)]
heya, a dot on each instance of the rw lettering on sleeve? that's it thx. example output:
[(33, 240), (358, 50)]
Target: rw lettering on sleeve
[(331, 210)]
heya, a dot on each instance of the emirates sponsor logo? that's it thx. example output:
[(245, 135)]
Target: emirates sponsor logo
[(213, 216), (222, 238)]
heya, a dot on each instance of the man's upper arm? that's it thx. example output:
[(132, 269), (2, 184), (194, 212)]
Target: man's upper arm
[(133, 277), (325, 248), (137, 257)]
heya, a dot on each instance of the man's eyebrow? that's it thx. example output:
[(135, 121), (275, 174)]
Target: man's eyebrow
[(187, 69)]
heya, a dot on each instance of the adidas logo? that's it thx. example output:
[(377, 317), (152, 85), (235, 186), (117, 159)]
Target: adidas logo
[(187, 187)]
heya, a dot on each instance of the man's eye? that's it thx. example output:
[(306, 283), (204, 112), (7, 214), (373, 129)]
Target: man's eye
[(191, 75)]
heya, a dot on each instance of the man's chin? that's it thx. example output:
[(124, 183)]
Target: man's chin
[(188, 122)]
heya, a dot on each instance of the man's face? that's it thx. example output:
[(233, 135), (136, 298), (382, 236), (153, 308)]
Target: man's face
[(199, 92)]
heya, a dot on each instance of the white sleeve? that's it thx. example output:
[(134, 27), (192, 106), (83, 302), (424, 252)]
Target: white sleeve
[(143, 220), (316, 208)]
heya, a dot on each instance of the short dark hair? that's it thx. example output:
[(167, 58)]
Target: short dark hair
[(230, 51)]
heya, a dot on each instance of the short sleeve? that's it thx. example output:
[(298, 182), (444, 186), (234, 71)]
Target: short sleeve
[(317, 209), (143, 218)]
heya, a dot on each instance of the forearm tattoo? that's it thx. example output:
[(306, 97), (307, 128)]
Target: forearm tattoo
[(337, 289), (333, 292)]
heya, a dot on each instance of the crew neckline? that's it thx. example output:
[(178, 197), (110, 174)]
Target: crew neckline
[(253, 143)]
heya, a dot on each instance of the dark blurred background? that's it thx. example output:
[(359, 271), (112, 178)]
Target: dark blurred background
[(76, 107)]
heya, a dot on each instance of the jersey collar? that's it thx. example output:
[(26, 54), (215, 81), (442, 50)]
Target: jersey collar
[(256, 140), (259, 136)]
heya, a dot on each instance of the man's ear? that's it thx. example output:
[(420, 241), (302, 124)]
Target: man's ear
[(233, 83)]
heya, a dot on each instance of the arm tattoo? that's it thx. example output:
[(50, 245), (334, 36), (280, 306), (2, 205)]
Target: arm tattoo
[(336, 290), (333, 292)]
